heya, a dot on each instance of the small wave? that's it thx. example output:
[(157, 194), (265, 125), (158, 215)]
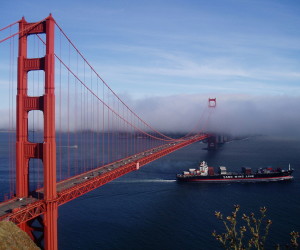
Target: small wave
[(245, 139), (144, 181), (71, 146)]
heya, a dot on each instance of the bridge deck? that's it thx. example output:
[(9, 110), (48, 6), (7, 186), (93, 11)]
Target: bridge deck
[(24, 209), (81, 178)]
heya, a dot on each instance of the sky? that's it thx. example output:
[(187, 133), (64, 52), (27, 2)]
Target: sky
[(246, 53)]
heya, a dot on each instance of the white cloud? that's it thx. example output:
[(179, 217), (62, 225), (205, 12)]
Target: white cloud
[(234, 114)]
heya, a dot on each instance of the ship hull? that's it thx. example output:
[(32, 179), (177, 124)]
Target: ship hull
[(281, 176)]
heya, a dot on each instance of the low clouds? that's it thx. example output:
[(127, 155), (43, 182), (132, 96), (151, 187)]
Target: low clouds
[(234, 114)]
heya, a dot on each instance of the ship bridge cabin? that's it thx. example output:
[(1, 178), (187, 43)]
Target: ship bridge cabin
[(222, 170)]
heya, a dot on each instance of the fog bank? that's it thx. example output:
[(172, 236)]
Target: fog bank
[(234, 114)]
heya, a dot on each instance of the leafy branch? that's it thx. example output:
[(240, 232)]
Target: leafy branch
[(256, 227)]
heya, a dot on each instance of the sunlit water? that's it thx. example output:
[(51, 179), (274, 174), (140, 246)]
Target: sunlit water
[(148, 209)]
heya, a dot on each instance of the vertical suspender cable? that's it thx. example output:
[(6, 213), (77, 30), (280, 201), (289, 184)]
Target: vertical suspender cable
[(68, 114), (60, 132)]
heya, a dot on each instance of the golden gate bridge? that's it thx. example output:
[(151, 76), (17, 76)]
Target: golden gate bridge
[(65, 131)]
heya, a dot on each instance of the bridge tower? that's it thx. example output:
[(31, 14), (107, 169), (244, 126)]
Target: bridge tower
[(46, 151), (212, 102), (212, 142)]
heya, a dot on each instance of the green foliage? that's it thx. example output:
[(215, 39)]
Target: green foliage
[(251, 235)]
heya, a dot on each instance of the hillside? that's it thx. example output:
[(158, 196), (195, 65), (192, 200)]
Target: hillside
[(13, 238)]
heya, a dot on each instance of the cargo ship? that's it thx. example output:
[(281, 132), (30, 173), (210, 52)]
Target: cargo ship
[(208, 175)]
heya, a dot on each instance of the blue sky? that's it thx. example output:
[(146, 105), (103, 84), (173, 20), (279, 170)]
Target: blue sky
[(243, 49), (167, 47)]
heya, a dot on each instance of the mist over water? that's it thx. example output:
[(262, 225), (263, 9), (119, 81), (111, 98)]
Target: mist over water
[(234, 114), (238, 114)]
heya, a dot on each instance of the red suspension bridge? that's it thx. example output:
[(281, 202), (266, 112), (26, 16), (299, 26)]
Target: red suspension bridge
[(68, 132)]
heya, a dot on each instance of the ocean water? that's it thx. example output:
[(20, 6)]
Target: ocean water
[(147, 209)]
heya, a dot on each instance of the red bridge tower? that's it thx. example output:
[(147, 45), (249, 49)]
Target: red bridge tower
[(46, 151)]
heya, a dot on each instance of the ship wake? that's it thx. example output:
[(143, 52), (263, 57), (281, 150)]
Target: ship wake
[(145, 181)]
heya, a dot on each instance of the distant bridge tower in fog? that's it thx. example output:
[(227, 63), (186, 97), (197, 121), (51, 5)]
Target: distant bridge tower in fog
[(212, 102)]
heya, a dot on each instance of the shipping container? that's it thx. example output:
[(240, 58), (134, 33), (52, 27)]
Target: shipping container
[(246, 170), (211, 171)]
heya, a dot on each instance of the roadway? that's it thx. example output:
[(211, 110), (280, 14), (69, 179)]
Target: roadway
[(27, 208)]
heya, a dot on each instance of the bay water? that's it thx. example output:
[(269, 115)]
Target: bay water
[(147, 209)]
